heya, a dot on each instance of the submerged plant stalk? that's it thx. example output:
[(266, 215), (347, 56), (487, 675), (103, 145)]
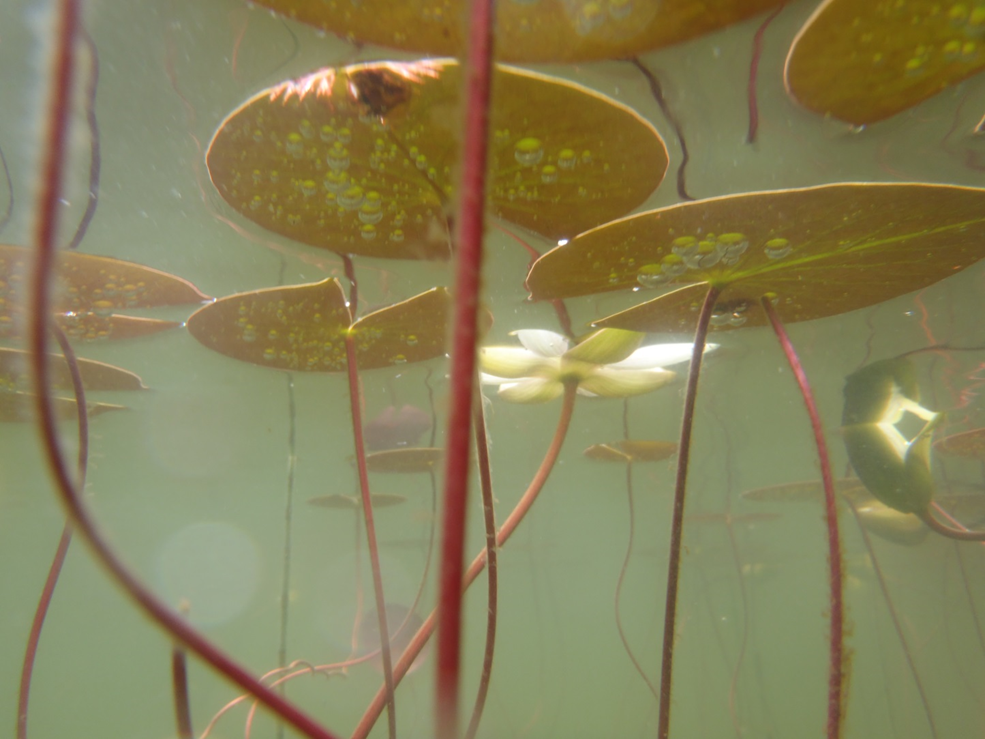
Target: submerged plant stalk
[(374, 552), (837, 666), (479, 563), (470, 230), (39, 307), (677, 522), (492, 576)]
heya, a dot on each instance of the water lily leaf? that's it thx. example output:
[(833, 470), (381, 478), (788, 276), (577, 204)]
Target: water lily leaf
[(414, 459), (863, 62), (817, 252), (300, 327), (303, 327), (966, 444), (90, 327), (15, 373), (354, 503), (411, 331), (812, 490), (362, 159), (632, 450), (19, 407), (88, 290), (526, 30)]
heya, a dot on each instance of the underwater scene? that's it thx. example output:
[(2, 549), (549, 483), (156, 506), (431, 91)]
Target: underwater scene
[(455, 369)]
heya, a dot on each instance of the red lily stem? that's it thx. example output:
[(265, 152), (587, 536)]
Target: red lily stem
[(492, 578), (61, 551), (677, 522), (757, 52), (944, 530), (179, 677), (374, 552), (479, 563), (46, 227), (95, 158), (470, 227), (837, 663)]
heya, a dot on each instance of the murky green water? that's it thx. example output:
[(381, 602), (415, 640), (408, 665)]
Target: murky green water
[(190, 483)]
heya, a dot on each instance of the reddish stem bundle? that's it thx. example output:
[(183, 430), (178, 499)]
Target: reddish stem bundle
[(470, 226), (39, 305)]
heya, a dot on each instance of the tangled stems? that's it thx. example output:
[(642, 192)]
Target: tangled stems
[(837, 665), (677, 522), (33, 639), (479, 563), (39, 305)]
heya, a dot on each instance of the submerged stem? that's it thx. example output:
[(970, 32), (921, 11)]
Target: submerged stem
[(479, 563), (837, 665), (374, 552), (61, 551), (492, 577), (470, 225), (677, 522), (39, 309), (961, 534)]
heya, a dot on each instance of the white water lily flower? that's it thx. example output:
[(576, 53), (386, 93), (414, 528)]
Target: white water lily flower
[(610, 363)]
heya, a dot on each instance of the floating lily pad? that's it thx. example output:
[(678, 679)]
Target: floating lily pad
[(817, 252), (303, 327), (88, 290), (313, 160), (731, 518), (631, 450), (865, 61), (966, 444), (415, 459), (15, 373), (526, 30), (813, 490), (19, 407), (354, 503)]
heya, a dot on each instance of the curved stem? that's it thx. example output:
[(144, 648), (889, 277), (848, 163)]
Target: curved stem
[(465, 336), (952, 533), (95, 158), (492, 578), (479, 563), (39, 304), (621, 580), (677, 522), (837, 663), (374, 552), (757, 52), (61, 551)]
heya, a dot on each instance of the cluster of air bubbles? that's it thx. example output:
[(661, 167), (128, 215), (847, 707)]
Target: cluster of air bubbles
[(594, 13), (692, 253), (732, 314), (528, 151)]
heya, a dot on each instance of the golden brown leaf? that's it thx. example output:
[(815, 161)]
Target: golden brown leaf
[(865, 61)]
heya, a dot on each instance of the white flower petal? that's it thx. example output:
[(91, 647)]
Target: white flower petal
[(606, 346), (531, 390), (659, 355), (542, 342), (487, 379), (620, 383), (514, 362)]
